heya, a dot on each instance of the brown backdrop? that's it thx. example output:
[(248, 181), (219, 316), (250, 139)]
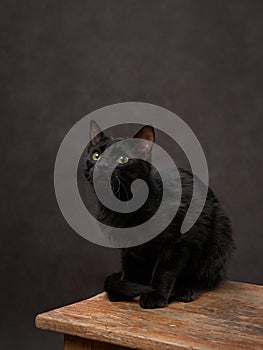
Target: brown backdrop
[(62, 60)]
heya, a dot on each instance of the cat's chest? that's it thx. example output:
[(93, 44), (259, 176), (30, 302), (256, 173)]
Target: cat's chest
[(144, 253)]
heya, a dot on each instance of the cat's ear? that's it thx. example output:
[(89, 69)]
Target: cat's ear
[(147, 133), (96, 135)]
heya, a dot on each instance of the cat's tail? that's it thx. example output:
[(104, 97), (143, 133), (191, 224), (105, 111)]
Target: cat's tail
[(118, 288)]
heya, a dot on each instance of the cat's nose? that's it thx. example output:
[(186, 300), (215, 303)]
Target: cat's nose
[(103, 164)]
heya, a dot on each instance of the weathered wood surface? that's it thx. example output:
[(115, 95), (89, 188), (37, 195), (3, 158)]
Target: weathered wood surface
[(77, 343), (229, 317)]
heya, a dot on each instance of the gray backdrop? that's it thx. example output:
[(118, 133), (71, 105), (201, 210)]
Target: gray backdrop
[(62, 60)]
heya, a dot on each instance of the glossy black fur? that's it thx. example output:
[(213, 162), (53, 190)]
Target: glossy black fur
[(172, 266)]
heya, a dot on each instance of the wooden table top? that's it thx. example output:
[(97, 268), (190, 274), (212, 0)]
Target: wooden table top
[(229, 317)]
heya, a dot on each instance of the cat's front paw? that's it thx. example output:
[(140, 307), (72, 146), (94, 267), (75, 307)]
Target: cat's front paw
[(186, 295), (152, 300)]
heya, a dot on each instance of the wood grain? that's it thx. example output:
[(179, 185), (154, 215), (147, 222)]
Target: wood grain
[(229, 317), (77, 343)]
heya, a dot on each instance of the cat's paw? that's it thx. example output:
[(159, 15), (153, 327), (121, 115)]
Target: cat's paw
[(152, 300), (186, 295)]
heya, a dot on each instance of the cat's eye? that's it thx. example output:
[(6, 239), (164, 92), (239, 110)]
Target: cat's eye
[(96, 156), (122, 159)]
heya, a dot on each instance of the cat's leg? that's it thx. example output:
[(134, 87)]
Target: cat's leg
[(135, 268), (136, 274), (165, 273), (113, 289), (191, 283)]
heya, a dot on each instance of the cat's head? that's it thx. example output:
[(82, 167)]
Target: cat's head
[(128, 167)]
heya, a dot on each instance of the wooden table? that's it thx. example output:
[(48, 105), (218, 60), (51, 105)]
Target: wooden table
[(229, 317)]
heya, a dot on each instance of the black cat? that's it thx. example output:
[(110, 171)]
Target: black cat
[(171, 266)]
